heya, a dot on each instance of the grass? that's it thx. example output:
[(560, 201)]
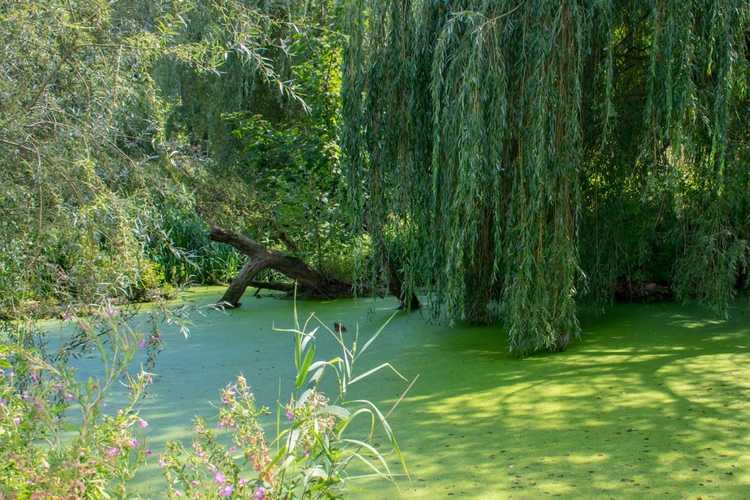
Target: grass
[(653, 401)]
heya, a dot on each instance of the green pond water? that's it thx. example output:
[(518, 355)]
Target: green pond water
[(653, 401)]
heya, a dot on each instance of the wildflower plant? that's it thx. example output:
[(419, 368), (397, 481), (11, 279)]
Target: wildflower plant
[(56, 438), (314, 451)]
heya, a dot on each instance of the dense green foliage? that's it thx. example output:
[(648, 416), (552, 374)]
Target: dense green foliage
[(128, 126), (281, 146), (508, 159), (534, 153)]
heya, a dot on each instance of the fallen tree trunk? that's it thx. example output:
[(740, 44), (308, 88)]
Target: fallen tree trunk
[(240, 283), (310, 282), (273, 285)]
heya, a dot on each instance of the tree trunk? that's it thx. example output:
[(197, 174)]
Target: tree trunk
[(272, 285), (395, 286), (310, 282), (231, 298)]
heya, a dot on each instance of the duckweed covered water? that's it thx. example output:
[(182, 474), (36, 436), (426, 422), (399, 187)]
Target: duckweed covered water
[(654, 401)]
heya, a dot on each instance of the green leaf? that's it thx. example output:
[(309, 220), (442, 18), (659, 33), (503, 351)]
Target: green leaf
[(302, 373), (336, 411)]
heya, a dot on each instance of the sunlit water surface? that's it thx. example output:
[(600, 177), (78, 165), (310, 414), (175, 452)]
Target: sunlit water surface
[(654, 400)]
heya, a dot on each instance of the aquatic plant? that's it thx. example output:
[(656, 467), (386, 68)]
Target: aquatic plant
[(313, 452)]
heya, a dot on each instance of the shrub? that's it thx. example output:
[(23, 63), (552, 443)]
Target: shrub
[(39, 394)]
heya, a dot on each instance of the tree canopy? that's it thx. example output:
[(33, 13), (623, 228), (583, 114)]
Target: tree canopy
[(126, 126), (511, 159), (534, 153)]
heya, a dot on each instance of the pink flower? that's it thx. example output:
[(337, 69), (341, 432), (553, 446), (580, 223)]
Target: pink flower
[(142, 423), (195, 482), (110, 310), (162, 462), (260, 493), (142, 343), (226, 491), (112, 452), (177, 493), (219, 477), (289, 415), (243, 482), (227, 395), (17, 420), (149, 452), (133, 443)]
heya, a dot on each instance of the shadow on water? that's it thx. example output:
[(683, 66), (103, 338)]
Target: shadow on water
[(653, 401)]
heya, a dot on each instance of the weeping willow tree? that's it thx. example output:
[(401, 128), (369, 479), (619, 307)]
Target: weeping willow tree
[(532, 153)]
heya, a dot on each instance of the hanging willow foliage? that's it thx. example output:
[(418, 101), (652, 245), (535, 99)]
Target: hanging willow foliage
[(534, 152)]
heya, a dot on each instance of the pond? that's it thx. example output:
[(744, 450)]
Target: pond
[(654, 400)]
